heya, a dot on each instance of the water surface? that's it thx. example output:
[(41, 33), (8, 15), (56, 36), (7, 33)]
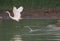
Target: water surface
[(28, 30)]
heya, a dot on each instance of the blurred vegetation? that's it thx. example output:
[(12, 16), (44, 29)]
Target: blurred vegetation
[(8, 4)]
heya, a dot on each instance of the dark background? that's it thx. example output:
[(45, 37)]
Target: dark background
[(8, 4)]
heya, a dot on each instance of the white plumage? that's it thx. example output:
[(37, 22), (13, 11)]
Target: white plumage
[(17, 13)]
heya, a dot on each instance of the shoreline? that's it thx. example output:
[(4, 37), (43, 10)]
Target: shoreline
[(43, 13)]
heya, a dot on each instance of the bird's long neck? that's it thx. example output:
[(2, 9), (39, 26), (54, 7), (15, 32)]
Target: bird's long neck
[(10, 15)]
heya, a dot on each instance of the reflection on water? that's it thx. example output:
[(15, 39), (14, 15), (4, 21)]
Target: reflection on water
[(28, 30), (16, 38)]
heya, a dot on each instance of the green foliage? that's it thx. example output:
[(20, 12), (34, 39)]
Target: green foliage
[(8, 4)]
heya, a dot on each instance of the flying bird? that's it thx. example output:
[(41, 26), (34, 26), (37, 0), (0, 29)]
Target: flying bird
[(17, 13)]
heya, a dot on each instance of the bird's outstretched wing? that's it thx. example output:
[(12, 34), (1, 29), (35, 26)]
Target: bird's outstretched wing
[(14, 10), (20, 9)]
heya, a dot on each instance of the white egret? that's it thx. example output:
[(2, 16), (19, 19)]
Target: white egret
[(17, 13)]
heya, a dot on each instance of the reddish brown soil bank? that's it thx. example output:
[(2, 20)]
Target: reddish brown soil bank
[(44, 13)]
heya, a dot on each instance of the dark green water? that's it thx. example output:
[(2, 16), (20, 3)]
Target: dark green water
[(20, 31)]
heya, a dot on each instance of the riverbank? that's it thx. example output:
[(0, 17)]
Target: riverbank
[(43, 13)]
